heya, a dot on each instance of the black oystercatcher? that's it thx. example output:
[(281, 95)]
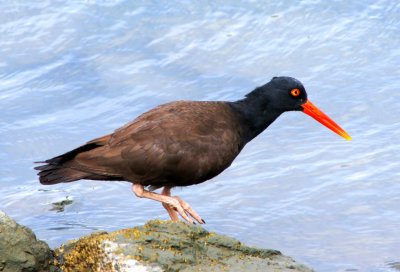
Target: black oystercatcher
[(181, 143)]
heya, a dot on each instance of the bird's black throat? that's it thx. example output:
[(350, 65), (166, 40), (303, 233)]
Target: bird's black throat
[(256, 114)]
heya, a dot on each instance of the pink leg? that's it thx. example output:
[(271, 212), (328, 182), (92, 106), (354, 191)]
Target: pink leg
[(173, 203), (172, 213)]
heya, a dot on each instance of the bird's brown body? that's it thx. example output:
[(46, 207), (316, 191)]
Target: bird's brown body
[(181, 143), (175, 144)]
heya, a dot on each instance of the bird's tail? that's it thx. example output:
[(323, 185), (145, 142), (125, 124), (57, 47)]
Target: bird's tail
[(53, 173), (64, 168)]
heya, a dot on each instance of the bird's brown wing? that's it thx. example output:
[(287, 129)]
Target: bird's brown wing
[(175, 144)]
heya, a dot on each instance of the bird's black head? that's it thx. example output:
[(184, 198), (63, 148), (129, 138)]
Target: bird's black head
[(282, 93), (263, 105)]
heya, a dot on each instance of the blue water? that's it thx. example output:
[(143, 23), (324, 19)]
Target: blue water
[(73, 71)]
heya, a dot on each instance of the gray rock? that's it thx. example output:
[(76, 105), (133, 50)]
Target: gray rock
[(20, 250), (168, 246)]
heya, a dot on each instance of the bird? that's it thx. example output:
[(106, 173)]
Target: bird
[(182, 143)]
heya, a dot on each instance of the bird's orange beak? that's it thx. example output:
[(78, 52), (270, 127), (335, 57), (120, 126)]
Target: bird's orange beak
[(310, 109)]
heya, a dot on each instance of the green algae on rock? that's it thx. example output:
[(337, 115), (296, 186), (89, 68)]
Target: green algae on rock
[(168, 246), (60, 205)]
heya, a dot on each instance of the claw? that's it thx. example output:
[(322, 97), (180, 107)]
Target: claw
[(173, 204)]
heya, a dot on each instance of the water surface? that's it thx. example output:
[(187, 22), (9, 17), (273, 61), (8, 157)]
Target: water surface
[(73, 71)]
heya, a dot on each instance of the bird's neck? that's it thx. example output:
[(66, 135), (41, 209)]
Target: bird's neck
[(256, 115)]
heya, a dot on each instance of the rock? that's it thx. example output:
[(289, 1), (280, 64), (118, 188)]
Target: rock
[(394, 265), (20, 250), (60, 205), (168, 246)]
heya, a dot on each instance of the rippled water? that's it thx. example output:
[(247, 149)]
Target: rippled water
[(73, 71)]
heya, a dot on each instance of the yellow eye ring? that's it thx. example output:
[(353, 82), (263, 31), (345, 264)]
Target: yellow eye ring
[(295, 92)]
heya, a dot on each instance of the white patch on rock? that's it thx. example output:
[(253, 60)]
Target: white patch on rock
[(122, 263), (7, 221)]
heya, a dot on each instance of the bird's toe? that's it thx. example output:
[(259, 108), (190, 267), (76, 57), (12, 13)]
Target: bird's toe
[(189, 210)]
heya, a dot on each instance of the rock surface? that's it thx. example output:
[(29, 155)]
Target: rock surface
[(20, 250), (168, 246)]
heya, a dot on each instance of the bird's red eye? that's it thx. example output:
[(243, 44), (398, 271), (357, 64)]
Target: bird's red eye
[(295, 92)]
